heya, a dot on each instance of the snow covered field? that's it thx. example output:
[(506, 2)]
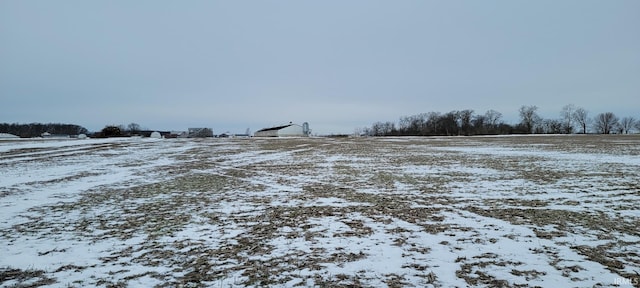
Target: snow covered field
[(550, 211)]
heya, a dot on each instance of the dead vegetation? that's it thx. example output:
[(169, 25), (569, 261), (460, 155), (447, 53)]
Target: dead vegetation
[(291, 212), (25, 278)]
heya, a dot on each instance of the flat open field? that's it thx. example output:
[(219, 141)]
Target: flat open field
[(551, 211)]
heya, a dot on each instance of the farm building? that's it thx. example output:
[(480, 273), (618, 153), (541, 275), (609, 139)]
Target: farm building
[(289, 130)]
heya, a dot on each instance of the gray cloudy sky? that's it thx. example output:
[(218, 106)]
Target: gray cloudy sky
[(339, 65)]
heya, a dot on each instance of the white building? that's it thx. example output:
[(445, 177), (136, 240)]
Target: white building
[(289, 130)]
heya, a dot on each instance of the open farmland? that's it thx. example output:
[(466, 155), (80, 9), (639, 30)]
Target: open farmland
[(551, 211)]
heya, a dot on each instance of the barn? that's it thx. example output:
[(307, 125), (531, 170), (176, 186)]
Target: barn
[(289, 130)]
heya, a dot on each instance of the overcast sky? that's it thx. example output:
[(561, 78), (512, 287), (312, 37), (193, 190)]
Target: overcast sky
[(232, 65)]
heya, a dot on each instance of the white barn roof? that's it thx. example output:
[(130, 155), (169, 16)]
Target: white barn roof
[(289, 130)]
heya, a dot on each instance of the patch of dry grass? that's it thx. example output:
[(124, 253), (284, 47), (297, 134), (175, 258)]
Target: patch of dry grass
[(25, 278), (210, 189)]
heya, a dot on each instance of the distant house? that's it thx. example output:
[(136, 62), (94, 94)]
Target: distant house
[(289, 130)]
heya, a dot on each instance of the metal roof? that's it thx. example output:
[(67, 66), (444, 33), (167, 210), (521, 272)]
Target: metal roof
[(274, 128)]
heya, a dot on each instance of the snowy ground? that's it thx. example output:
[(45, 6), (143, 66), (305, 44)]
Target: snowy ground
[(550, 211)]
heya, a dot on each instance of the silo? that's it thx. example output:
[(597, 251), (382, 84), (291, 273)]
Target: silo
[(305, 129)]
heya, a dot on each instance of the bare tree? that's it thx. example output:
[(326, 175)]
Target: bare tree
[(529, 117), (552, 126), (412, 125), (480, 124), (389, 128), (432, 123), (581, 117), (465, 121), (604, 123), (492, 118), (404, 124), (133, 128), (567, 116), (449, 123), (626, 124), (383, 129), (377, 129)]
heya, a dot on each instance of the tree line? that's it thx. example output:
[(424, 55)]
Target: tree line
[(37, 129), (572, 119), (118, 131)]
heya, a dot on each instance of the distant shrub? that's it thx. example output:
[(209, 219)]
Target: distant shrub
[(111, 131)]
